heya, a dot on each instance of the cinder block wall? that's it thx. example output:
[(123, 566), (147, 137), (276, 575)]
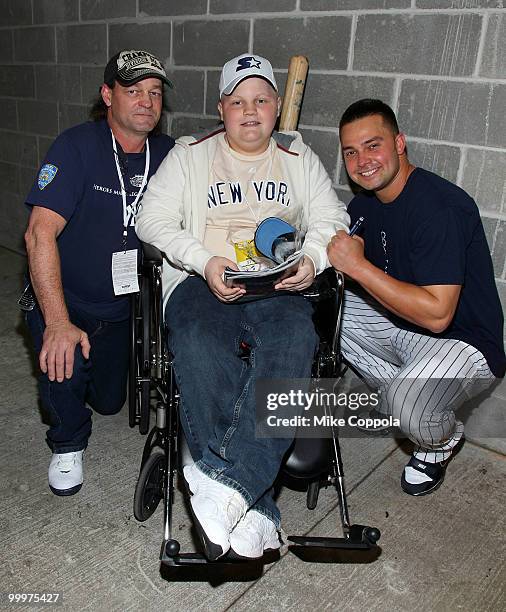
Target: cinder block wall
[(441, 64)]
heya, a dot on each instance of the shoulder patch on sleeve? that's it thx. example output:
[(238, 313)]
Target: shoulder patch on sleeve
[(46, 175)]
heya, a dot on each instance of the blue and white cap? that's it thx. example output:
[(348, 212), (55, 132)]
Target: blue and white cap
[(242, 67), (269, 232)]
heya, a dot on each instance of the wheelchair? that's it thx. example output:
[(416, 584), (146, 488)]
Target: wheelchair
[(153, 392)]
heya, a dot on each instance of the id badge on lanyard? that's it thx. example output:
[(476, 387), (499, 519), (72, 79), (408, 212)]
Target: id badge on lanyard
[(124, 263)]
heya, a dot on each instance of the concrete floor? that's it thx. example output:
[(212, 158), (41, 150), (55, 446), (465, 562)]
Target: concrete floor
[(442, 552)]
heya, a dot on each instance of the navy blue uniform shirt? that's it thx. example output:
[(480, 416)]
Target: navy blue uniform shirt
[(78, 179)]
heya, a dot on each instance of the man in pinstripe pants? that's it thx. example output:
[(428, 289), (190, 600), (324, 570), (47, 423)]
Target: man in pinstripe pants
[(422, 323)]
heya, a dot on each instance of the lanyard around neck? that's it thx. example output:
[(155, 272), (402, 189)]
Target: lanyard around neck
[(135, 204)]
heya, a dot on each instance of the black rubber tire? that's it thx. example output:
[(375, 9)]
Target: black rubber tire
[(149, 488), (313, 490), (132, 375)]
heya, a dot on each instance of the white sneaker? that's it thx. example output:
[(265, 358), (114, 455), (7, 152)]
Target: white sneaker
[(254, 535), (216, 509), (66, 473)]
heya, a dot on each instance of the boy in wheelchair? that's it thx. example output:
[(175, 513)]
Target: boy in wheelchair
[(201, 210)]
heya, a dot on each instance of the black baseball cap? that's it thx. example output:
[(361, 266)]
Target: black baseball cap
[(129, 67)]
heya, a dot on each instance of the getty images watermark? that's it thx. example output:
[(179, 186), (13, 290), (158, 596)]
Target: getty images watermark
[(285, 405)]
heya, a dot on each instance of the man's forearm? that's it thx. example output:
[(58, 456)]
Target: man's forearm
[(45, 274), (411, 302)]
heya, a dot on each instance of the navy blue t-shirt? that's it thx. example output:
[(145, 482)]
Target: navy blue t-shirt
[(79, 180), (432, 234)]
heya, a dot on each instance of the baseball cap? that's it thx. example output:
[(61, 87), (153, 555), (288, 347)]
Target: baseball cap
[(270, 232), (242, 67), (129, 67)]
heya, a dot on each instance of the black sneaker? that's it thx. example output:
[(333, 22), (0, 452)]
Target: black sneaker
[(435, 471)]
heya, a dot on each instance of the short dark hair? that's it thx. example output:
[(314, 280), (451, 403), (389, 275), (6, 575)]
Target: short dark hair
[(367, 107), (98, 110)]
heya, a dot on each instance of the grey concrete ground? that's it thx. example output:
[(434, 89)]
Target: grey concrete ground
[(441, 552)]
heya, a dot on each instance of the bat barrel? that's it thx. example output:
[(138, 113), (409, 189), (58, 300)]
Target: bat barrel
[(294, 90)]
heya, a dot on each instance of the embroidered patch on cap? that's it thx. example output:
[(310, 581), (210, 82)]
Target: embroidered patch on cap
[(46, 175)]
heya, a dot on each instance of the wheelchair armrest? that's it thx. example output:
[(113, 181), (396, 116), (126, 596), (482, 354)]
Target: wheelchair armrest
[(151, 255), (323, 286)]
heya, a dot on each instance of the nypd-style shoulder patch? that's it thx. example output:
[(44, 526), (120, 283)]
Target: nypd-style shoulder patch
[(46, 175)]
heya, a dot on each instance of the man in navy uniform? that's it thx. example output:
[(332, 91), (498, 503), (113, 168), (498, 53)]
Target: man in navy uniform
[(82, 254)]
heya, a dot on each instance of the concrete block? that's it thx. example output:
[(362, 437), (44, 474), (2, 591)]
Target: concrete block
[(49, 11), (483, 181), (485, 424), (152, 37), (58, 83), (15, 217), (495, 230), (82, 44), (346, 5), (9, 114), (327, 96), (188, 93), (6, 46), (107, 9), (324, 40), (459, 4), (34, 44), (421, 44), (91, 79), (212, 92), (441, 159), (162, 7), (9, 177), (26, 178), (16, 12), (493, 62), (18, 148), (184, 126), (200, 43), (43, 147), (325, 145), (71, 114), (251, 6), (17, 81), (471, 113), (38, 117)]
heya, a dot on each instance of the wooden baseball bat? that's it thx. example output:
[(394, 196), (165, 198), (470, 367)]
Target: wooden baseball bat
[(294, 90)]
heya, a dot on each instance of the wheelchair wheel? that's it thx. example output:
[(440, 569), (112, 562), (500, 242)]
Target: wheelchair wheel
[(144, 386), (149, 489)]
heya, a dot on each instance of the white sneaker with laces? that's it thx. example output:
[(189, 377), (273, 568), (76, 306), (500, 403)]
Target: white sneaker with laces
[(66, 473), (216, 509), (254, 535)]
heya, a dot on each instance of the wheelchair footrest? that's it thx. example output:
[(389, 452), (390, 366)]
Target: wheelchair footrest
[(184, 559), (359, 537)]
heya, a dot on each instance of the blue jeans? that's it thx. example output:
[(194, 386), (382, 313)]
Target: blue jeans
[(217, 387), (99, 381)]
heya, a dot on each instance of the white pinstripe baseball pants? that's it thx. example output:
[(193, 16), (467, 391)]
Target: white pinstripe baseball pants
[(421, 380)]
